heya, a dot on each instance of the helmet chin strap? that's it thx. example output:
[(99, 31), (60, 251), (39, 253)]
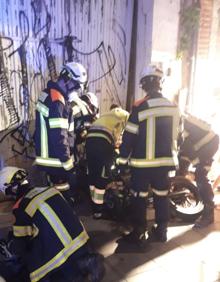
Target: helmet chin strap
[(12, 189)]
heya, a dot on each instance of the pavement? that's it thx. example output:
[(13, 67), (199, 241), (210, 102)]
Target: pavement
[(188, 255)]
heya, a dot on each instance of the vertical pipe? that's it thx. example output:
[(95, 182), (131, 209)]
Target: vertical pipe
[(132, 62)]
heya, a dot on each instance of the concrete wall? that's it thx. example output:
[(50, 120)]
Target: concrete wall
[(164, 46), (157, 41), (144, 40)]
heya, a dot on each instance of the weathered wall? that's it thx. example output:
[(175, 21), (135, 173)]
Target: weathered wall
[(157, 41), (144, 41), (38, 36), (164, 43), (205, 100)]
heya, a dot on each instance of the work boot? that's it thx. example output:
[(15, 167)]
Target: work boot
[(97, 211), (92, 265), (133, 237), (97, 215), (206, 218), (158, 234), (137, 239), (102, 215)]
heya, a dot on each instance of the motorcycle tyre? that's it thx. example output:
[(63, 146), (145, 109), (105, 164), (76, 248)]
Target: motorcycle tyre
[(184, 213)]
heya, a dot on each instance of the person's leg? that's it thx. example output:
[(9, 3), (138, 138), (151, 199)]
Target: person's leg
[(94, 171), (99, 157), (138, 217), (207, 195), (160, 188), (61, 181)]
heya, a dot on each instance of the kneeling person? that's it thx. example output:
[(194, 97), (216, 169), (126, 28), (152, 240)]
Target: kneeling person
[(47, 234)]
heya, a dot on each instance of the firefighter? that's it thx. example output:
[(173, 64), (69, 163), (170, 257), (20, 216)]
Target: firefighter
[(54, 127), (47, 234), (102, 138), (85, 111), (198, 146), (149, 148)]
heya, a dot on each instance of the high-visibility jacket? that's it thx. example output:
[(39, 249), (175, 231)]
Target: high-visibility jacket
[(83, 117), (109, 126), (54, 129), (150, 136), (47, 232), (199, 141)]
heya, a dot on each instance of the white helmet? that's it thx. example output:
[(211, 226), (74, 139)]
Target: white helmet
[(10, 178), (151, 79), (151, 70), (75, 71)]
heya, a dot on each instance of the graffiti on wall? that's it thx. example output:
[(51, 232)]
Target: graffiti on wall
[(40, 53), (5, 90)]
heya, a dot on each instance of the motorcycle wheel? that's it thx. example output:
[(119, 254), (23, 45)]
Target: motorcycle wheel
[(185, 202)]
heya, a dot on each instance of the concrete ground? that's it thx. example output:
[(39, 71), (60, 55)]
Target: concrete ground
[(189, 255)]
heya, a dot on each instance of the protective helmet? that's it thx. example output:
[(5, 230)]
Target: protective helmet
[(151, 70), (92, 101), (76, 72), (11, 178), (151, 78)]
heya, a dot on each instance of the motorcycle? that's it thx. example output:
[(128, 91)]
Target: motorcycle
[(184, 199)]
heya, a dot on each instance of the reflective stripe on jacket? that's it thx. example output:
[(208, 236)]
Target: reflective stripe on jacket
[(54, 130), (199, 140), (50, 228), (110, 125), (150, 136)]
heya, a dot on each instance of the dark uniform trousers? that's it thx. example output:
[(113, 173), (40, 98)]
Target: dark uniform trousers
[(205, 158), (206, 154), (141, 180), (100, 154), (59, 175)]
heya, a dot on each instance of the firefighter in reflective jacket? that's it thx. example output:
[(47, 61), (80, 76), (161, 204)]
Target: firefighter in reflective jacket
[(198, 146), (149, 147), (85, 112), (54, 128), (47, 234), (101, 141)]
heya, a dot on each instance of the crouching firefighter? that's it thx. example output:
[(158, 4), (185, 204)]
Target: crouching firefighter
[(47, 234), (102, 138), (149, 148), (198, 146)]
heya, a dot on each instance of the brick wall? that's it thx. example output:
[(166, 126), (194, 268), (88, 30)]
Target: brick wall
[(205, 25)]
